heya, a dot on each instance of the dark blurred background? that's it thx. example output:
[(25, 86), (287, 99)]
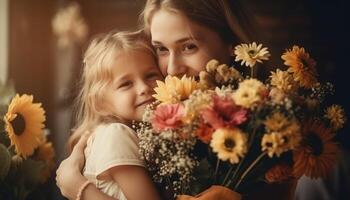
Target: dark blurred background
[(33, 60)]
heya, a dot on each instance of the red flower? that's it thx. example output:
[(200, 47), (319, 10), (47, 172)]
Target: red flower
[(224, 113), (167, 116), (205, 132)]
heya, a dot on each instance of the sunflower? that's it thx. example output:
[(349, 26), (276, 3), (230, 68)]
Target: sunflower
[(301, 65), (283, 80), (24, 124), (336, 116), (279, 173), (229, 144), (249, 54), (174, 89), (317, 153)]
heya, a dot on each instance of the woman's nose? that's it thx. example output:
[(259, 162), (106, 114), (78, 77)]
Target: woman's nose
[(175, 66)]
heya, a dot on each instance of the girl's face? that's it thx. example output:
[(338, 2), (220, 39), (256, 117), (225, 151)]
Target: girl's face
[(135, 74), (184, 47)]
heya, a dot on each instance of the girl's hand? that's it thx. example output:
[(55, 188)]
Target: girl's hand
[(68, 175), (135, 182)]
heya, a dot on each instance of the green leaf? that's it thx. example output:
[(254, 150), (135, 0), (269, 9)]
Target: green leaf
[(5, 160)]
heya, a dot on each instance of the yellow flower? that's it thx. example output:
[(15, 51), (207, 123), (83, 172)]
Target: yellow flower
[(277, 96), (285, 135), (24, 124), (291, 135), (273, 144), (283, 81), (174, 89), (217, 74), (317, 153), (249, 54), (46, 153), (301, 65), (197, 101), (276, 122), (336, 115), (229, 144), (249, 93)]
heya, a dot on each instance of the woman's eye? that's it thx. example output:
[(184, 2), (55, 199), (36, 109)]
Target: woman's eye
[(160, 50), (153, 76), (189, 48)]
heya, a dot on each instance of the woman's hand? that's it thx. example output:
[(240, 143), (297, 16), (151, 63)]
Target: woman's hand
[(68, 175)]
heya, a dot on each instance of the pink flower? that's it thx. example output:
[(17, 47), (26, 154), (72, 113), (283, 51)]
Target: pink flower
[(224, 113), (167, 116)]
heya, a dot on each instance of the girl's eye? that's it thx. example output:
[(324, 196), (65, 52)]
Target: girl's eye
[(125, 84), (189, 48), (161, 50)]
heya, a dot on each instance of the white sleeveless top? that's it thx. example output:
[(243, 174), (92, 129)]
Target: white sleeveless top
[(110, 145)]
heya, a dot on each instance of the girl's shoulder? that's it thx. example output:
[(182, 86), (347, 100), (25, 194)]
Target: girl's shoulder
[(114, 128), (114, 133)]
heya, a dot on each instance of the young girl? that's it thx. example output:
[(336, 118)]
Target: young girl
[(119, 74)]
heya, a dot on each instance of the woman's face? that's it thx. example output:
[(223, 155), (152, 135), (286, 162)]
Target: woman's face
[(184, 47)]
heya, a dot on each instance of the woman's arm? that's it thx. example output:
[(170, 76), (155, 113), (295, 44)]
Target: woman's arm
[(135, 182), (69, 178)]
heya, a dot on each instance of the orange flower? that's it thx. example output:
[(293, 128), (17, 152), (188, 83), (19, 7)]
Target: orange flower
[(301, 65), (317, 153), (279, 173), (205, 132)]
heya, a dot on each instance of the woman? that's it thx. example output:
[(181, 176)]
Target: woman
[(186, 34)]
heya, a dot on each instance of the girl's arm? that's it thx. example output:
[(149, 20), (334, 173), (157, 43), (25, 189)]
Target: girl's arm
[(135, 182), (69, 178)]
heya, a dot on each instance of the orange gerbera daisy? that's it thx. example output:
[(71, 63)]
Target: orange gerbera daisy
[(301, 65), (279, 173), (317, 153)]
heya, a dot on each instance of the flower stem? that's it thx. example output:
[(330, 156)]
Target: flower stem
[(227, 175), (251, 139), (235, 173), (252, 72), (216, 170), (249, 169)]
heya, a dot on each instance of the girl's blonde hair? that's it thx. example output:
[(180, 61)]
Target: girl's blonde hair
[(97, 75), (225, 17)]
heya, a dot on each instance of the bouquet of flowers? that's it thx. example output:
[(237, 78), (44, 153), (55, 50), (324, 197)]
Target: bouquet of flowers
[(234, 131), (26, 157)]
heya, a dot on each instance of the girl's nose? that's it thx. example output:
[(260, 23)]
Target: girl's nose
[(144, 88)]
